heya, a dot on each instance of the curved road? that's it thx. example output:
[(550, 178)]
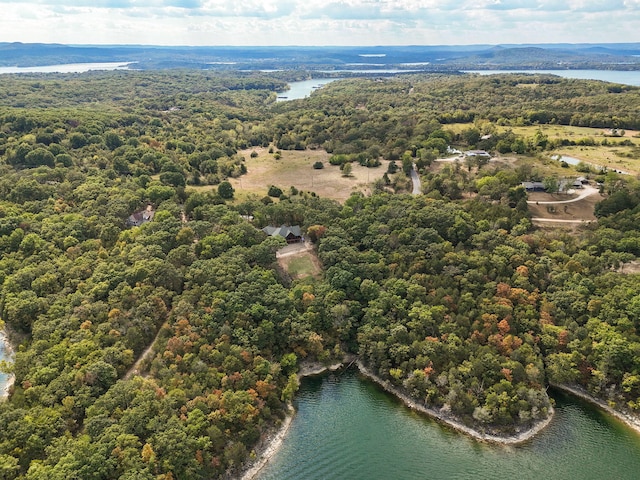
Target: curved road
[(587, 191), (559, 220), (415, 179)]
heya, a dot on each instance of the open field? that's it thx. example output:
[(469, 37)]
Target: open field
[(579, 210), (572, 133), (614, 156), (295, 168), (554, 131)]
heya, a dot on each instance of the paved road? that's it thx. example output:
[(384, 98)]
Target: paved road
[(415, 178), (587, 191)]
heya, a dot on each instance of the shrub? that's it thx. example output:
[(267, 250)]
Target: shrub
[(274, 191), (318, 165)]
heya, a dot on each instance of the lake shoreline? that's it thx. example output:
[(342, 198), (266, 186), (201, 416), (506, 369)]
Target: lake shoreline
[(580, 392), (271, 445), (273, 441), (8, 349), (518, 438)]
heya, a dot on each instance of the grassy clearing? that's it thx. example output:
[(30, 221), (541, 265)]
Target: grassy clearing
[(300, 267), (570, 132), (295, 168), (618, 158), (554, 131), (613, 156)]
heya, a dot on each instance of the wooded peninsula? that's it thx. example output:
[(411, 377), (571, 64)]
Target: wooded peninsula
[(158, 330)]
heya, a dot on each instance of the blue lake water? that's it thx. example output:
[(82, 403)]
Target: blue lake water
[(615, 76), (4, 355), (303, 88), (67, 68), (348, 428)]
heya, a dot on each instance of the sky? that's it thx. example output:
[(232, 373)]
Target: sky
[(319, 22)]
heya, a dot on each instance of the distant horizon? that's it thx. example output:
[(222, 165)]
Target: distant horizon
[(408, 45), (318, 22)]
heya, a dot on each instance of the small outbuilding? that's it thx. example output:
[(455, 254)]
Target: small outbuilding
[(292, 234), (477, 153), (583, 180)]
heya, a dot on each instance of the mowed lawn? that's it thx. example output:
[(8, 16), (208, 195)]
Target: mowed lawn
[(301, 266), (295, 168)]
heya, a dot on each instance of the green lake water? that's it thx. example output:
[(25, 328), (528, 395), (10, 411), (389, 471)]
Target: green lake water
[(4, 355), (346, 427)]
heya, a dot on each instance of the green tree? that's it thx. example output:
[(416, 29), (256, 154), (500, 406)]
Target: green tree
[(551, 184), (225, 190), (112, 140)]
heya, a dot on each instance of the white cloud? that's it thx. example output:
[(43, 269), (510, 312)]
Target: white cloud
[(319, 22)]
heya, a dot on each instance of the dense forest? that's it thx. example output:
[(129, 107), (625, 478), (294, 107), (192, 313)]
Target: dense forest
[(453, 295)]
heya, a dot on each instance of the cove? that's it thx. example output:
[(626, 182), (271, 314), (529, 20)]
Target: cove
[(303, 88), (348, 427)]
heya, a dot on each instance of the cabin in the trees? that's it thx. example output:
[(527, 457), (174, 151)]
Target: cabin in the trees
[(291, 234), (533, 186), (140, 218)]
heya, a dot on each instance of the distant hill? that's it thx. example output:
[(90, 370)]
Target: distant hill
[(602, 56), (538, 57)]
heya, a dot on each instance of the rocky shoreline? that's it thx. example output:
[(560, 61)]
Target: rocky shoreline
[(451, 422), (272, 444), (274, 441), (8, 349), (629, 420)]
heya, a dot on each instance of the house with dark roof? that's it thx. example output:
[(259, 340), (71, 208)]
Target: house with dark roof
[(533, 186), (291, 234), (140, 218), (565, 185)]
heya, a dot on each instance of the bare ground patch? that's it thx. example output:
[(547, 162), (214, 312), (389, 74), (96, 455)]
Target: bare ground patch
[(550, 197), (579, 210), (630, 268)]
